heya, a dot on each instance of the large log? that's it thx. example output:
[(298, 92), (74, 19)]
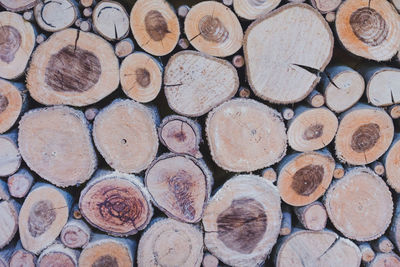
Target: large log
[(55, 143), (56, 15), (242, 221), (392, 164), (274, 48), (18, 5), (394, 231), (10, 158), (20, 183), (9, 211), (13, 102), (58, 255), (385, 259), (252, 9)]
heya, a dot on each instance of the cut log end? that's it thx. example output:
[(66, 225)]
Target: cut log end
[(313, 216), (252, 9), (20, 183), (9, 211), (367, 253), (209, 261), (54, 15), (124, 48), (11, 104), (22, 258), (18, 5), (385, 259), (316, 99), (75, 234), (58, 254), (10, 158), (269, 174)]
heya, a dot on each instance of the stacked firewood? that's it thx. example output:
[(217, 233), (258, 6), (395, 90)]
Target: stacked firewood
[(239, 133)]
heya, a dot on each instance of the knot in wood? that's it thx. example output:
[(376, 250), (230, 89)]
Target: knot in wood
[(106, 261), (212, 29), (41, 216), (3, 103), (156, 25), (307, 179), (313, 132), (180, 185), (143, 77), (10, 41), (365, 137)]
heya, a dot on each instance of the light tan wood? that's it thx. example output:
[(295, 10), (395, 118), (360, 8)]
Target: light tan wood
[(330, 17), (194, 83), (20, 183), (325, 6), (16, 43), (87, 3), (86, 25), (367, 253), (91, 113), (213, 29), (125, 135), (12, 104), (286, 225), (312, 216), (339, 171), (394, 231), (364, 134), (369, 30), (252, 9), (10, 158), (239, 133), (56, 15), (287, 113), (274, 48), (269, 174), (170, 243), (155, 26), (383, 244), (88, 11), (242, 221), (238, 61), (22, 257), (28, 16), (64, 154), (141, 77), (304, 177), (359, 205), (394, 111), (100, 203), (75, 234), (244, 92), (9, 211), (58, 255), (315, 99), (110, 20), (227, 2), (183, 43), (311, 128), (385, 259), (378, 168), (18, 5), (209, 260), (42, 216), (183, 10), (124, 48), (89, 69), (40, 38), (317, 248)]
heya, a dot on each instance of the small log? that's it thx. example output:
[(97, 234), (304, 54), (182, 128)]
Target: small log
[(326, 6), (183, 10), (227, 2), (108, 251), (20, 183), (287, 113), (17, 41), (286, 225), (87, 3), (78, 23), (86, 25), (13, 102), (88, 11), (359, 205), (342, 87), (394, 231), (134, 141), (315, 99), (394, 111), (4, 193), (209, 260), (124, 47), (194, 91), (29, 16), (316, 248), (76, 212), (56, 15), (214, 29), (41, 38), (304, 177), (9, 211), (385, 259), (367, 253), (378, 168), (311, 128), (255, 127), (313, 216), (22, 257), (242, 221), (18, 5), (111, 20), (276, 68), (170, 243), (383, 244), (49, 156), (100, 203), (155, 26), (184, 43), (180, 186), (269, 174), (69, 68), (141, 77), (238, 61), (244, 92), (10, 158), (369, 30), (339, 171), (252, 9), (180, 135), (330, 17), (58, 255), (91, 113), (5, 254), (42, 216), (364, 134), (75, 234)]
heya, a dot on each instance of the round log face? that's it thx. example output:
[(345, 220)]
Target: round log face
[(9, 222), (385, 259), (18, 5), (252, 9), (56, 259), (54, 16), (383, 88), (22, 258), (10, 159), (392, 165)]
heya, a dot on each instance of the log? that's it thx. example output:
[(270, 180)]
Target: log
[(29, 16), (183, 10), (383, 244), (244, 92), (5, 254), (378, 168), (75, 234), (10, 158), (364, 134), (227, 2), (326, 6), (396, 4), (155, 26), (330, 17), (87, 3), (56, 15), (40, 38), (86, 25), (286, 225), (359, 205), (58, 255), (269, 174), (141, 77), (339, 171), (88, 12), (9, 211), (242, 221), (312, 216), (315, 99), (287, 113), (133, 144), (252, 9), (214, 29), (4, 193), (22, 257), (304, 177), (16, 42), (209, 260), (369, 30), (124, 48), (394, 231), (385, 259), (91, 113), (394, 111), (76, 212), (183, 43), (255, 128), (238, 61), (311, 128), (48, 155), (42, 216), (116, 203), (194, 83), (367, 253), (110, 20), (72, 68), (20, 183), (18, 5), (317, 248), (274, 48), (180, 186), (13, 102), (180, 135), (170, 243), (108, 251)]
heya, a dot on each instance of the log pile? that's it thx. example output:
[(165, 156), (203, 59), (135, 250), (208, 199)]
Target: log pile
[(199, 133)]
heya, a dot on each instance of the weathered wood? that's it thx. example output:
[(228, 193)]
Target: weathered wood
[(18, 5), (385, 259), (242, 221), (367, 253), (254, 127), (330, 17), (313, 216), (325, 6), (20, 183), (183, 43), (13, 102), (209, 260), (28, 16), (170, 243), (40, 38), (75, 234), (124, 47), (76, 212), (383, 244), (359, 205), (9, 211), (274, 48), (252, 9), (64, 154), (125, 135), (10, 158), (396, 4), (58, 255), (315, 99), (22, 257), (56, 15)]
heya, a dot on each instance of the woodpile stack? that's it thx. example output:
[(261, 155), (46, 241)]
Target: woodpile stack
[(199, 133)]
